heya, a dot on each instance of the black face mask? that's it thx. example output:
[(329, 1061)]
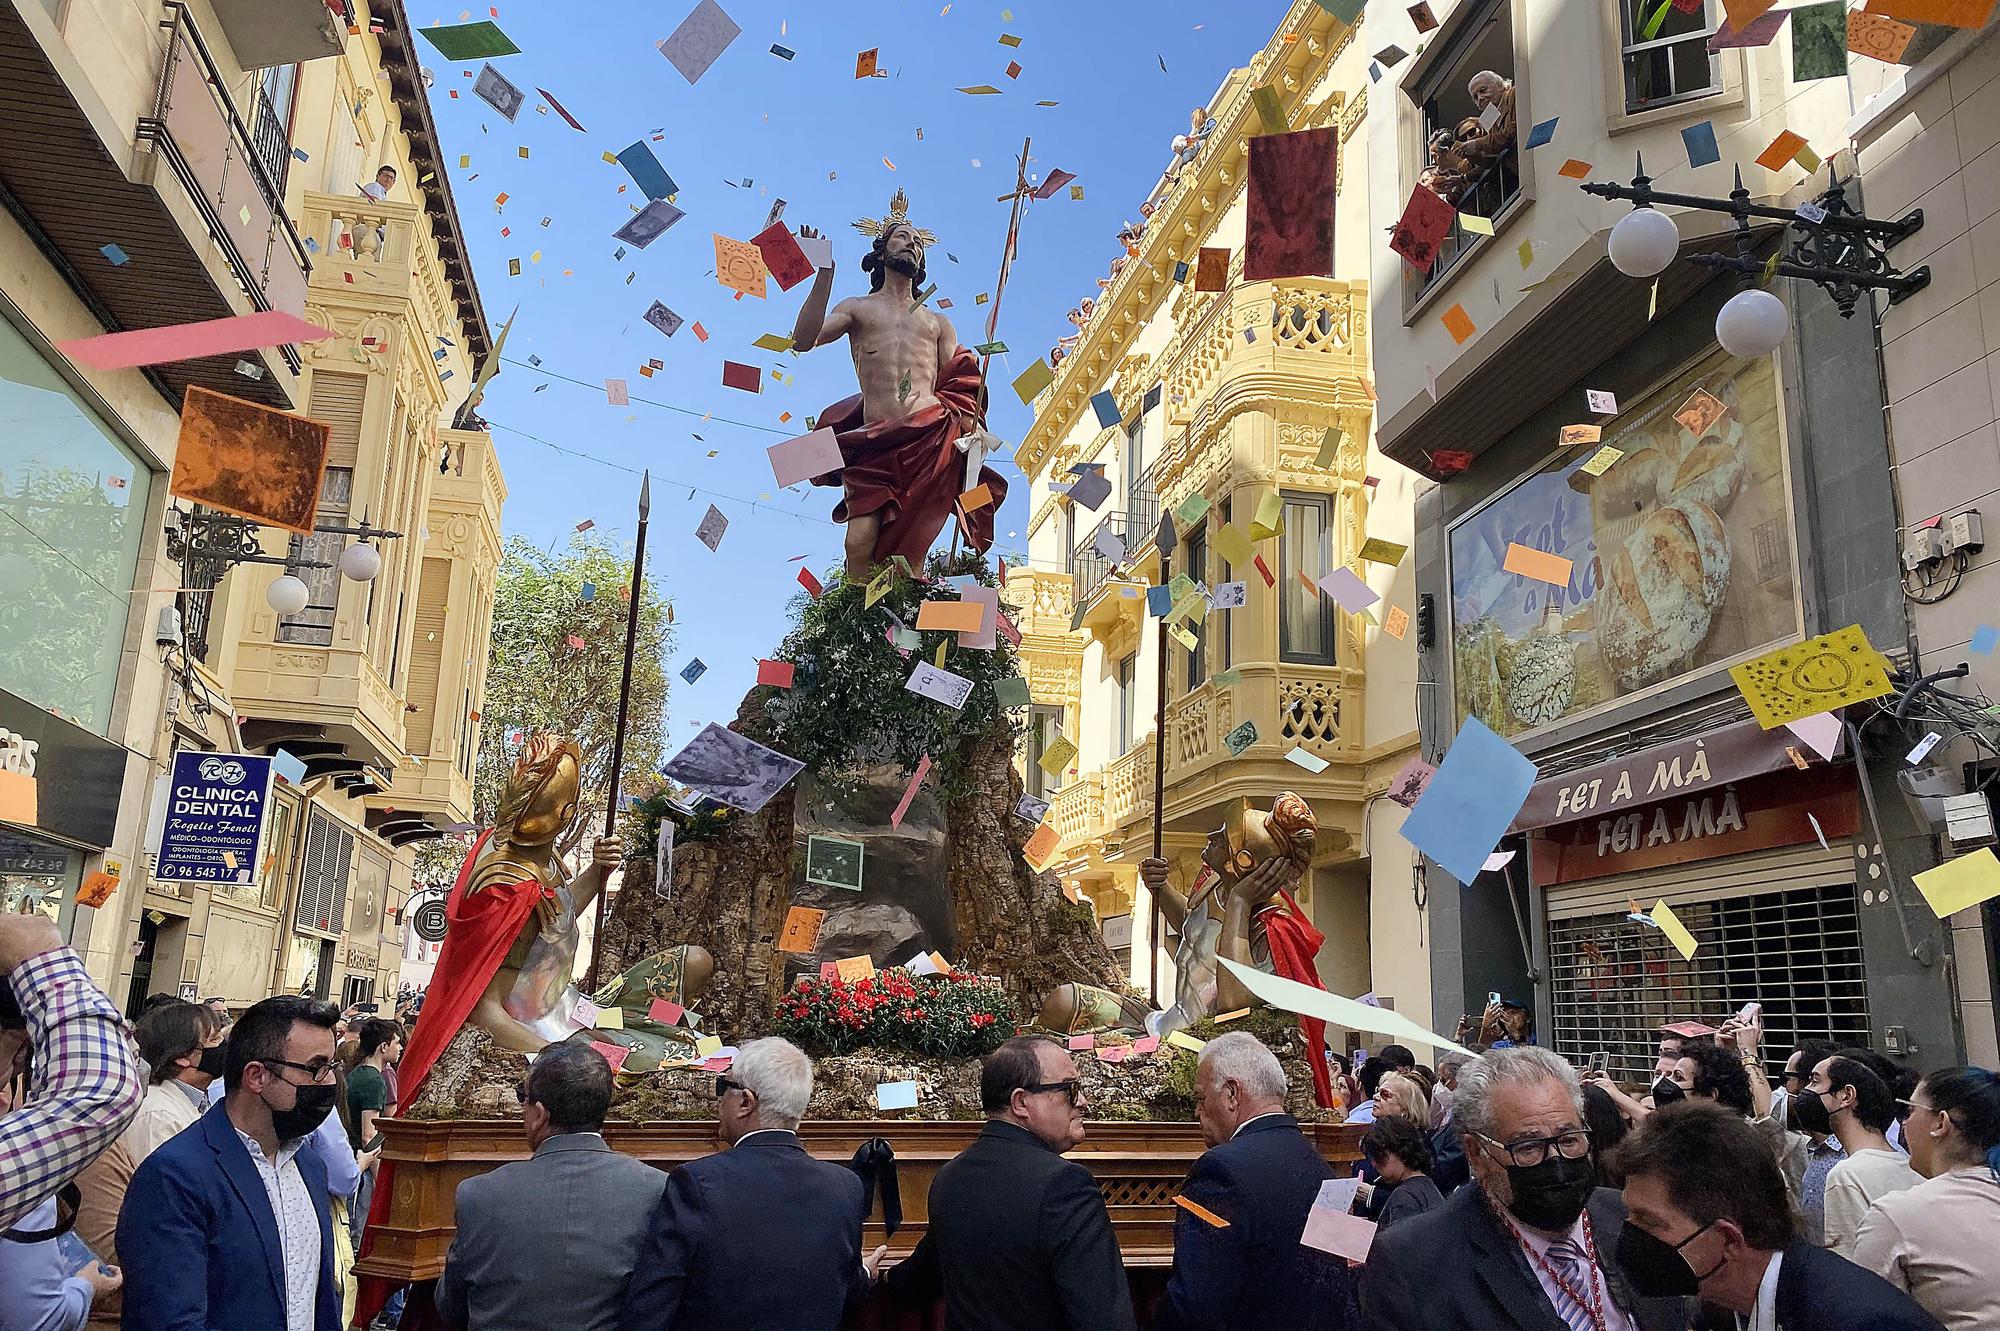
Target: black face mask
[(1551, 1195), (1667, 1091), (1809, 1111), (212, 1060), (1656, 1267), (314, 1103)]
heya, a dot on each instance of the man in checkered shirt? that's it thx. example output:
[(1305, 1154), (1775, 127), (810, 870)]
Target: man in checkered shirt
[(85, 1085)]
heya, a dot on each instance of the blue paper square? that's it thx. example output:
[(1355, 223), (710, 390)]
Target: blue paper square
[(1180, 272), (646, 171), (116, 254), (694, 670), (1700, 141), (896, 1095), (1105, 404), (1159, 602), (1541, 134), (1985, 639), (288, 768), (1465, 810), (588, 591)]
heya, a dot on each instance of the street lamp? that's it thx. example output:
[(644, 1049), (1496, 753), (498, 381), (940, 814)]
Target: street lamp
[(1831, 245)]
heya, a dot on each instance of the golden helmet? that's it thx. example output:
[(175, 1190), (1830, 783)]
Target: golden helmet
[(1288, 831)]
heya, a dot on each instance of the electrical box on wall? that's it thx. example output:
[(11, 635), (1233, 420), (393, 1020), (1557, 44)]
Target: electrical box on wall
[(1962, 533), (1922, 546)]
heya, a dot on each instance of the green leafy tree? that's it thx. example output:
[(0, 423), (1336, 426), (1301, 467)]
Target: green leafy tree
[(557, 655)]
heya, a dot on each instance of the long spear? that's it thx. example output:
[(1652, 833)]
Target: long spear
[(624, 706), (1165, 541), (1023, 191)]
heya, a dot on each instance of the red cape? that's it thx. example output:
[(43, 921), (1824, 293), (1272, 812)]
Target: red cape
[(478, 933), (1294, 944), (910, 470)]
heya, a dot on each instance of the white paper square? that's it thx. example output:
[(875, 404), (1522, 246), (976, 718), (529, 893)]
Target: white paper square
[(1228, 595), (939, 685), (1601, 402)]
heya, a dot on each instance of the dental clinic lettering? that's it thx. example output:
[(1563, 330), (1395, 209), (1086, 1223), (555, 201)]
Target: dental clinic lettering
[(1667, 775), (1700, 818), (213, 830)]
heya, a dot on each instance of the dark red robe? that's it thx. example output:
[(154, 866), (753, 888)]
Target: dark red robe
[(910, 470), (1294, 944)]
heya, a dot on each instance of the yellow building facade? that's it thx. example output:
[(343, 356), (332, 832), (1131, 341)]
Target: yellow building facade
[(221, 147), (1261, 389)]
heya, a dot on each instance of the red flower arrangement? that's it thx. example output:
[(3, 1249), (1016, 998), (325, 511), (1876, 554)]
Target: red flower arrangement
[(953, 1015)]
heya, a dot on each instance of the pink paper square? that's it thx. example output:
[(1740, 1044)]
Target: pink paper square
[(1083, 1042), (1821, 733), (665, 1012), (614, 1054), (1146, 1044), (1336, 1232)]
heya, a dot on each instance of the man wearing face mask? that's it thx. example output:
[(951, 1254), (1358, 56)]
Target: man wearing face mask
[(239, 1184), (1709, 1216), (1848, 1100), (1532, 1238)]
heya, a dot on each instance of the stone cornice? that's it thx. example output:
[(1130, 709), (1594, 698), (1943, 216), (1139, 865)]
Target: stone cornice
[(1296, 58)]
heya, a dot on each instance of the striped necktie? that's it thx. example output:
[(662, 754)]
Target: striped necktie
[(1568, 1261)]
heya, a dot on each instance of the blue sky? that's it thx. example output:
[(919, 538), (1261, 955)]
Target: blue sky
[(785, 126)]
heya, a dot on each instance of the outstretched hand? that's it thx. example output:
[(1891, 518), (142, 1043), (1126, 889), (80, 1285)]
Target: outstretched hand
[(1263, 882)]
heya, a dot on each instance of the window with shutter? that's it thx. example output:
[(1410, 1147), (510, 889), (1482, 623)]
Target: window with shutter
[(421, 730), (341, 401)]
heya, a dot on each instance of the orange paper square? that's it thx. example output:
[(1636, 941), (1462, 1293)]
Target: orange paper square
[(978, 497), (1951, 13), (1041, 845), (1877, 37), (951, 616), (1742, 13), (96, 890), (1782, 150), (854, 968), (1537, 564), (1575, 169), (18, 802), (1459, 324), (1397, 622), (739, 265), (801, 932)]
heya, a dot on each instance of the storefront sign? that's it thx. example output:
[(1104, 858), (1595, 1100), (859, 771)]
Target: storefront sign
[(1783, 809), (77, 775), (214, 827), (1658, 773)]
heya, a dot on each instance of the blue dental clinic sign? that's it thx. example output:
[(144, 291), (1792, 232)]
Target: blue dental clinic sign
[(214, 827)]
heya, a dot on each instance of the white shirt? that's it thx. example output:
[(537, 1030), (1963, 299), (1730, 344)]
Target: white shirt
[(1936, 1241), (1615, 1318), (764, 1132), (373, 189), (298, 1227), (1857, 1183), (165, 1112), (1764, 1316), (1248, 1121)]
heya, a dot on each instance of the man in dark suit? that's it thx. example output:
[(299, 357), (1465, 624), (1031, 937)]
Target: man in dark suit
[(761, 1234), (1710, 1215), (225, 1227), (1019, 1239), (1238, 1262), (553, 1239), (1527, 1245)]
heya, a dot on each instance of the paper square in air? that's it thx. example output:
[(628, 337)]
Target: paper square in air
[(801, 459), (731, 769), (649, 224), (700, 40), (1958, 883), (646, 171), (834, 862), (1378, 551), (939, 686), (495, 89), (1813, 676), (1090, 490), (1337, 1232), (663, 318), (1041, 845), (783, 257), (1821, 733), (1228, 595), (1760, 31), (1545, 132), (748, 378), (713, 524), (469, 41), (1348, 590), (1467, 806), (1241, 738), (1699, 140)]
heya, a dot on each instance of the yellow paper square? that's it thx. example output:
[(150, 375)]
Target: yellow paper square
[(1477, 225), (1183, 637), (879, 587), (1601, 460), (1810, 677), (1057, 755), (1270, 519), (707, 1046), (1378, 551), (1670, 925), (773, 342), (1233, 545), (854, 968), (1956, 884), (611, 1019), (1182, 1040)]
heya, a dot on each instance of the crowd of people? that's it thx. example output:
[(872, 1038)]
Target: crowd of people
[(198, 1173)]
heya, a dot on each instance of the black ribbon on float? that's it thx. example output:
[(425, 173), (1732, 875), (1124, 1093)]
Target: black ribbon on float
[(875, 1162)]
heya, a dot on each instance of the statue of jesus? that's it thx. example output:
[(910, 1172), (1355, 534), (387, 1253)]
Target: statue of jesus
[(900, 437)]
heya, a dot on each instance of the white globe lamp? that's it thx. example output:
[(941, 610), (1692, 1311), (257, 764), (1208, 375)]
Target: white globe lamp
[(1644, 243), (1752, 324), (361, 562), (287, 595)]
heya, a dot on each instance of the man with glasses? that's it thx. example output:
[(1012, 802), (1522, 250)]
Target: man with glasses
[(760, 1234), (551, 1241), (1019, 1239), (1531, 1236), (237, 1187)]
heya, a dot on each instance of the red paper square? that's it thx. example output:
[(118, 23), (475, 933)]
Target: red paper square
[(1426, 221), (810, 583), (1265, 569), (778, 674), (1289, 231), (666, 1012), (614, 1054), (700, 333), (746, 377), (782, 256)]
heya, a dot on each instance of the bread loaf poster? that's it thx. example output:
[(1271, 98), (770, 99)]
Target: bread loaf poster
[(1681, 556)]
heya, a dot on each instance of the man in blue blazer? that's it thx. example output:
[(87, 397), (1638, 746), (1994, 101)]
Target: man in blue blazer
[(225, 1227), (1238, 1262), (761, 1234), (1709, 1215)]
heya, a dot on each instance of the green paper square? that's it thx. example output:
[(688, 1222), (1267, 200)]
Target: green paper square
[(1819, 41), (469, 41), (833, 861), (1011, 691)]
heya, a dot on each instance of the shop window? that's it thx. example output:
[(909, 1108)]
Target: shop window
[(281, 817), (72, 513), (1681, 557), (356, 989), (1798, 952), (1470, 155), (1305, 617), (1672, 64)]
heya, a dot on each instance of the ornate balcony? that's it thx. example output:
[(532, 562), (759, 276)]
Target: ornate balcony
[(1078, 809), (365, 247)]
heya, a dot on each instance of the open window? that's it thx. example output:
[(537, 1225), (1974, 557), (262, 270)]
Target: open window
[(1665, 53), (1470, 155)]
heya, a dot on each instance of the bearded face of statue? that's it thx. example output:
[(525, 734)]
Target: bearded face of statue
[(553, 807)]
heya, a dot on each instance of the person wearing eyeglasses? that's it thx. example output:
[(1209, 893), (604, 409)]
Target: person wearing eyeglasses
[(551, 1240), (1531, 1237), (761, 1234), (1018, 1238), (1709, 1216), (226, 1227)]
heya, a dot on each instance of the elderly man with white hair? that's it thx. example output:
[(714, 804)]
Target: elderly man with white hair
[(1238, 1262), (1532, 1236), (760, 1234)]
